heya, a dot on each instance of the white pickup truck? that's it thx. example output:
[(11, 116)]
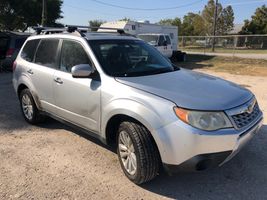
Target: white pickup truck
[(162, 42)]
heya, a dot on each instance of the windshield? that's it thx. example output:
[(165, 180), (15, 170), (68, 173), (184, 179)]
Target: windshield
[(150, 39), (130, 58)]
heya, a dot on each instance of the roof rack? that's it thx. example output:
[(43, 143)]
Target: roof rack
[(76, 29)]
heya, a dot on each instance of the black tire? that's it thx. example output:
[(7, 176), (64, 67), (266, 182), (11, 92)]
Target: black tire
[(147, 155), (37, 117)]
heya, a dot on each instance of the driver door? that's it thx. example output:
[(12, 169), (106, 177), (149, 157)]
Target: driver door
[(77, 99)]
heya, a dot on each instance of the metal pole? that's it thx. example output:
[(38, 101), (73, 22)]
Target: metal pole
[(214, 25), (43, 23)]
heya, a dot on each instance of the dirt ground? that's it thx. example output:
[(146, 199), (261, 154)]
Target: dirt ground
[(53, 161), (232, 65)]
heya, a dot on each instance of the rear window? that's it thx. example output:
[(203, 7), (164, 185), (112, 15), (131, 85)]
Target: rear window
[(168, 39), (47, 53), (161, 40), (29, 50), (4, 42)]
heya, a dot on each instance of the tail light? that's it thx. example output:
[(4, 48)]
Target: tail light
[(14, 66), (10, 52)]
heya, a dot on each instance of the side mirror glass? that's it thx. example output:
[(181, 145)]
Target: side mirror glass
[(82, 71)]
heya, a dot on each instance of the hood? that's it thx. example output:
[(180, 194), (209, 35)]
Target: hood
[(191, 90)]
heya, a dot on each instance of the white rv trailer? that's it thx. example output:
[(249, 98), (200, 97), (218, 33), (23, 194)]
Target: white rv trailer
[(145, 28)]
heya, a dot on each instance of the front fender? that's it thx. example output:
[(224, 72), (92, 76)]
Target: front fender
[(152, 119), (132, 109)]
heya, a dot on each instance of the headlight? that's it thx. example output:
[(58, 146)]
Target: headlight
[(208, 121)]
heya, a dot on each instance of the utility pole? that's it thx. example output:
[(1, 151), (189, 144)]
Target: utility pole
[(214, 25), (44, 12)]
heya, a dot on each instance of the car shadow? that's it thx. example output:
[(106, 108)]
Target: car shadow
[(51, 123), (195, 62)]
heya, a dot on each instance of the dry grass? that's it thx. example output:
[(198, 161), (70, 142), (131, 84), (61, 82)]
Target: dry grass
[(231, 65)]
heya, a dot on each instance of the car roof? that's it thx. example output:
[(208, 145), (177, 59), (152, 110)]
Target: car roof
[(87, 36)]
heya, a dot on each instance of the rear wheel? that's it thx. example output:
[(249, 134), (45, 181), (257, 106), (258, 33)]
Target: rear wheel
[(137, 152), (29, 109)]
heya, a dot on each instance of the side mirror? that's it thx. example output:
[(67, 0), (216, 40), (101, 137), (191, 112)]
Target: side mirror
[(82, 71)]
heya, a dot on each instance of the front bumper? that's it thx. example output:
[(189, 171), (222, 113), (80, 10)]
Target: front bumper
[(184, 147)]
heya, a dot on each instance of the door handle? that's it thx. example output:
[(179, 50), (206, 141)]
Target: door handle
[(30, 71), (58, 80)]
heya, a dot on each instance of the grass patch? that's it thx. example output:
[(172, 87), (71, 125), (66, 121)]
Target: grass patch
[(231, 65)]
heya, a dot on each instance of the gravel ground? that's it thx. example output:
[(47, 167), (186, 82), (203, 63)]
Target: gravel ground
[(53, 161)]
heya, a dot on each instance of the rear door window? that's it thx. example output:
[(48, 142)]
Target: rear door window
[(46, 54), (29, 50), (72, 53)]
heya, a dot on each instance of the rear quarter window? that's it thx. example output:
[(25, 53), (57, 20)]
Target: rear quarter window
[(29, 50)]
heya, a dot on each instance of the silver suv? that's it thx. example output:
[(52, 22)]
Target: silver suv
[(124, 92)]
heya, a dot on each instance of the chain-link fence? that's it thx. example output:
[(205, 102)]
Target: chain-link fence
[(234, 44)]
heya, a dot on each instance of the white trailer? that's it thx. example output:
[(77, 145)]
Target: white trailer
[(146, 28)]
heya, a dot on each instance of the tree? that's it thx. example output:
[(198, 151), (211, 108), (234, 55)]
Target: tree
[(95, 23), (193, 24), (225, 19), (258, 22), (202, 23), (172, 22), (21, 14), (199, 25)]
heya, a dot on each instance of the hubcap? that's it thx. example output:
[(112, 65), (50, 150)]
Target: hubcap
[(27, 106), (127, 152)]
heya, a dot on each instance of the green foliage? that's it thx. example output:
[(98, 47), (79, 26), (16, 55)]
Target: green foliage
[(258, 22), (172, 22), (225, 18), (95, 23), (21, 14)]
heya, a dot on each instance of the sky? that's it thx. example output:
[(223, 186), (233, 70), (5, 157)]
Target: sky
[(79, 12)]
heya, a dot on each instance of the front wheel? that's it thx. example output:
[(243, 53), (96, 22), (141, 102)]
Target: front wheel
[(137, 152)]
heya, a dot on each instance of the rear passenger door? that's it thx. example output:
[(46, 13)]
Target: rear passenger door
[(77, 99), (42, 72)]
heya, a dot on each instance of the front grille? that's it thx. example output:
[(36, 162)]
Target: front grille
[(245, 118)]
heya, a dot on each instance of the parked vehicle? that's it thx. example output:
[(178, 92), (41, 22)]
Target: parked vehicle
[(10, 44), (123, 91), (162, 42), (162, 37)]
